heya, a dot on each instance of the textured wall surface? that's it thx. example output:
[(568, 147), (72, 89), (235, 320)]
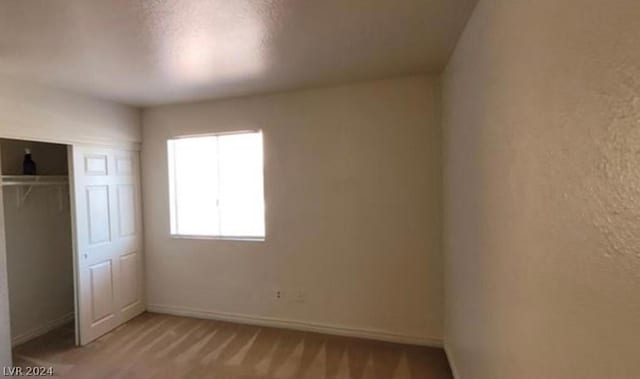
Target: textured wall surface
[(542, 191), (352, 187)]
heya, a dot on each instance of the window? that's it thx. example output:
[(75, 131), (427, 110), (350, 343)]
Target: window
[(216, 186)]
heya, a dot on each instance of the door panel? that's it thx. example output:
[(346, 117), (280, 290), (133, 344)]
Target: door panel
[(126, 210), (99, 225), (107, 230), (129, 280), (95, 164), (101, 292), (124, 165)]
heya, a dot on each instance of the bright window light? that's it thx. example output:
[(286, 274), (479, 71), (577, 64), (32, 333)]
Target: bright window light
[(216, 186)]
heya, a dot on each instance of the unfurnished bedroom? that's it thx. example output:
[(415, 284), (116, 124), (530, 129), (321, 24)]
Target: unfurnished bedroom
[(338, 189)]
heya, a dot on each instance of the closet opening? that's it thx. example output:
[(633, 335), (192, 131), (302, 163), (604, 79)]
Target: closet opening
[(38, 235)]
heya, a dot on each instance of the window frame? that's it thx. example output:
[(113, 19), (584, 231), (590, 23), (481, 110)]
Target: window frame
[(172, 190)]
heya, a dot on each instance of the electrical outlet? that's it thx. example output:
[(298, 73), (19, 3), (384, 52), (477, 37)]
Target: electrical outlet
[(291, 297)]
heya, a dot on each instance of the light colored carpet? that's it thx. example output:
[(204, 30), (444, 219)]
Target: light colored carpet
[(162, 346)]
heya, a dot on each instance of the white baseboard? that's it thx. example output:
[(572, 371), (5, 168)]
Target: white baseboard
[(452, 363), (42, 329), (296, 325)]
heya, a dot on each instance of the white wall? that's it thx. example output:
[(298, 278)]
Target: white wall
[(542, 179), (38, 240), (36, 112), (352, 186)]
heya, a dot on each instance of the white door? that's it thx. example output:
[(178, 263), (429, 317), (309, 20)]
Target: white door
[(108, 239)]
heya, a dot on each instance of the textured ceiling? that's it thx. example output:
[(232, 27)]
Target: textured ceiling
[(148, 52)]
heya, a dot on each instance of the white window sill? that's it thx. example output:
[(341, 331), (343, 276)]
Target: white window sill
[(221, 238)]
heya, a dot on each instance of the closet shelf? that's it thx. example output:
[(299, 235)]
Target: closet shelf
[(26, 183), (34, 180)]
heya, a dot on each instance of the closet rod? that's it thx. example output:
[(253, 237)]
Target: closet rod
[(34, 184), (41, 180)]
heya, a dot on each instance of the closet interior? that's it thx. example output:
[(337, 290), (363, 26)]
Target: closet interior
[(37, 215)]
